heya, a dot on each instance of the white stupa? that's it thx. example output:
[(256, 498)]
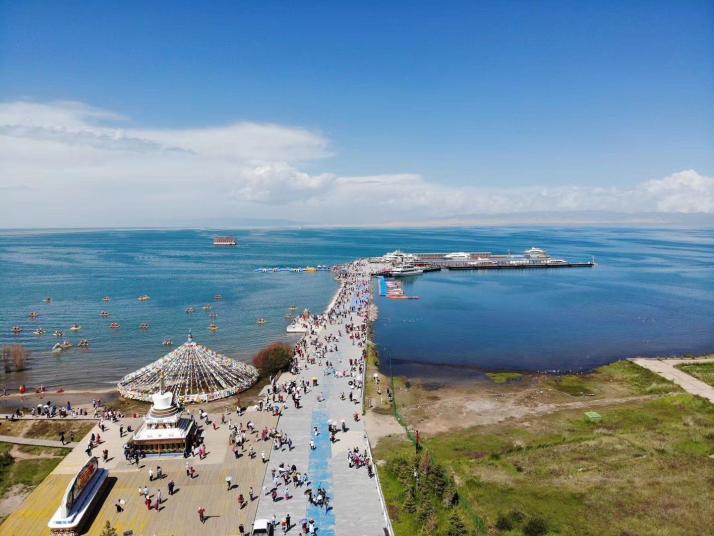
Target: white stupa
[(164, 429), (193, 373)]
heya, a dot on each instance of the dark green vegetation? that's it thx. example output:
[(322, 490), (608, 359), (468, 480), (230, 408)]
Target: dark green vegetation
[(702, 371), (273, 359), (27, 472), (504, 377), (46, 429), (646, 468)]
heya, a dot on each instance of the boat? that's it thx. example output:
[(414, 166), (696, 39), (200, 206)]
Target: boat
[(261, 321), (207, 307), (311, 269), (189, 310), (58, 333), (144, 326), (39, 332), (57, 348), (104, 314), (66, 344), (293, 307), (218, 297), (398, 257), (213, 315), (224, 241), (75, 327), (144, 297), (84, 343), (405, 270), (106, 299), (458, 256), (115, 325), (16, 330), (34, 315), (47, 300), (167, 341), (212, 327)]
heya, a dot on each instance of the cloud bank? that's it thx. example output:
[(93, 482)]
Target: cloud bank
[(65, 164)]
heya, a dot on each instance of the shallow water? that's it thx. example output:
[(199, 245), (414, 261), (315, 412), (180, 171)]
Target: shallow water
[(652, 293)]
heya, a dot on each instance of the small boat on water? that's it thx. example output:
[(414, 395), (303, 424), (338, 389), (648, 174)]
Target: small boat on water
[(39, 332), (189, 310), (84, 343), (218, 297), (114, 325), (168, 341), (212, 327), (144, 297), (47, 300), (17, 330), (224, 241), (66, 344), (58, 333), (293, 307), (104, 314), (213, 316), (34, 315), (207, 307), (75, 327), (106, 299), (57, 348), (261, 321), (144, 326)]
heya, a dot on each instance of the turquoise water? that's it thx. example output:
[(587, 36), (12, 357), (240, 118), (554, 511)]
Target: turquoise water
[(652, 293)]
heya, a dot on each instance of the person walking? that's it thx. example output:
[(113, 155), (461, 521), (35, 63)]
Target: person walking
[(202, 514), (171, 487), (151, 475), (229, 482)]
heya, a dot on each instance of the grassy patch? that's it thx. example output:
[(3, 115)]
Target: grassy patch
[(643, 467), (701, 371), (25, 472), (504, 377), (46, 429)]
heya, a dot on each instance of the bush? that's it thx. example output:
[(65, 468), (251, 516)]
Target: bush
[(503, 522), (273, 359), (536, 526)]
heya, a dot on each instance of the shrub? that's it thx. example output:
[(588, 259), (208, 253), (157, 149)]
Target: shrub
[(273, 359), (536, 526), (503, 522)]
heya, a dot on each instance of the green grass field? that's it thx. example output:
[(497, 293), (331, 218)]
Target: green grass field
[(27, 472), (701, 371), (646, 468), (504, 377)]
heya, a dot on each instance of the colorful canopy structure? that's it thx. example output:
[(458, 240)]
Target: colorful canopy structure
[(193, 373)]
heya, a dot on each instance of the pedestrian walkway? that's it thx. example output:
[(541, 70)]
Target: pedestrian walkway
[(36, 442), (667, 369), (354, 507)]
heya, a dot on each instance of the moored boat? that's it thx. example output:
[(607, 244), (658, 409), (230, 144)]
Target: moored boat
[(39, 332), (75, 327), (115, 325), (168, 341), (144, 326), (106, 299), (212, 327), (104, 314), (34, 315), (144, 297)]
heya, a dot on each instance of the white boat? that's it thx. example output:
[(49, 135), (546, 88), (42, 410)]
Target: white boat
[(75, 327), (57, 348), (458, 256), (398, 257), (405, 270)]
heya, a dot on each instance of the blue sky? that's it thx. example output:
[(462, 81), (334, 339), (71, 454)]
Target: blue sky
[(463, 95)]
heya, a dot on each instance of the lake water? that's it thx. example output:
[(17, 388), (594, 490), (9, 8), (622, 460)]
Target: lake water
[(651, 293)]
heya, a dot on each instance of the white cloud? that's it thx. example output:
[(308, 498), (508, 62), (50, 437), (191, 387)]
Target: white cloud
[(69, 164)]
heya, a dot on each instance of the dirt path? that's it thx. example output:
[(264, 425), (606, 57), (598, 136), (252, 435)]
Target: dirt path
[(667, 369)]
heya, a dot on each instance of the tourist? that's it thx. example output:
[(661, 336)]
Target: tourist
[(118, 506), (250, 494), (171, 487), (148, 503), (61, 435), (151, 475), (188, 469), (241, 529), (105, 455), (202, 514), (241, 501), (229, 482)]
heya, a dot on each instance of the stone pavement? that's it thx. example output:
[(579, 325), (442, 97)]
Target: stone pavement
[(178, 513), (356, 508), (36, 442), (667, 369)]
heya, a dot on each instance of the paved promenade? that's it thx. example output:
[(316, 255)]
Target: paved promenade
[(355, 506), (667, 369), (36, 442)]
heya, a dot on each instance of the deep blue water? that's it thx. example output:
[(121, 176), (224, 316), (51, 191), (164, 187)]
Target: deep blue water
[(651, 293)]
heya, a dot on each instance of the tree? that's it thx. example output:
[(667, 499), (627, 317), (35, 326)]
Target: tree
[(14, 356), (109, 530), (273, 359), (456, 524)]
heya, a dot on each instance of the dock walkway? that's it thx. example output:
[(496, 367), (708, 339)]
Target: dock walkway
[(355, 500)]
